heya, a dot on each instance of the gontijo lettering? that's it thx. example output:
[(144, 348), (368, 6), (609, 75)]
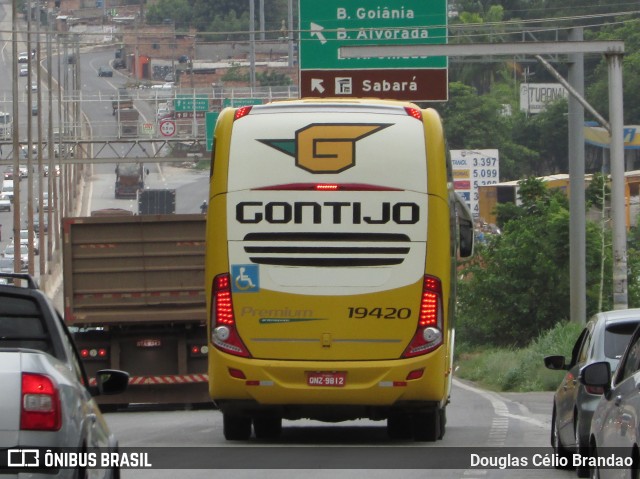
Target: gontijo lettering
[(281, 212)]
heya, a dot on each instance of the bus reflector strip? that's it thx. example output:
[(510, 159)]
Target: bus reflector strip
[(392, 384), (259, 383)]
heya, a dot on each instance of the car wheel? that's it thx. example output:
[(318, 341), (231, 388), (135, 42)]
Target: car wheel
[(236, 428), (267, 427), (556, 443), (581, 471), (595, 473)]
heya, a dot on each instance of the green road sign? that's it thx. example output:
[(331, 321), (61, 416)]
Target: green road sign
[(186, 103), (210, 122), (237, 102), (326, 26)]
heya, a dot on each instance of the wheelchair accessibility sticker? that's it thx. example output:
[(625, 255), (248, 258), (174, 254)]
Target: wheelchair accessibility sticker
[(246, 278)]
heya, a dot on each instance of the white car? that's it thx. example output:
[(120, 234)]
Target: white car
[(47, 401), (24, 241), (23, 57), (7, 189), (9, 252), (5, 203), (163, 112)]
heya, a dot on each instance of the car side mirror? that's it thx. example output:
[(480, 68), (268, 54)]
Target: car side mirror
[(555, 363), (110, 381), (596, 375)]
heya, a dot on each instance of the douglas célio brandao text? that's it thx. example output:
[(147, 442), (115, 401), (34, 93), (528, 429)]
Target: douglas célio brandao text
[(550, 460)]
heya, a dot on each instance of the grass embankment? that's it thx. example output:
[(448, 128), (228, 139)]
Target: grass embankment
[(511, 369)]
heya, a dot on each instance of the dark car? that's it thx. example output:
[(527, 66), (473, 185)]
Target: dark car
[(105, 72), (604, 338), (119, 63)]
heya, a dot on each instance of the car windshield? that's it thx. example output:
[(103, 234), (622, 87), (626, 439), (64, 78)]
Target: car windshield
[(617, 337)]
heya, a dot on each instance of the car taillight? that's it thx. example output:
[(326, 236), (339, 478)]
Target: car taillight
[(224, 334), (40, 409), (428, 334)]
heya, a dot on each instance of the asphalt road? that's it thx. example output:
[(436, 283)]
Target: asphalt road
[(192, 440)]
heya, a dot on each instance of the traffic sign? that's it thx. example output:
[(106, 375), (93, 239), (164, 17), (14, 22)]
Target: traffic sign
[(210, 123), (331, 24), (238, 102), (186, 103), (180, 115), (410, 85), (167, 127)]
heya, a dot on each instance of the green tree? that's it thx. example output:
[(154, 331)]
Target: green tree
[(273, 78), (597, 92), (177, 10), (518, 285)]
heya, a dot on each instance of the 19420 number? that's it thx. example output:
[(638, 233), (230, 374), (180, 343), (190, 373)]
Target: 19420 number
[(384, 313)]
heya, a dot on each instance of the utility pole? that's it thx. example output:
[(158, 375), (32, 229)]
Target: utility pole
[(252, 44), (17, 266)]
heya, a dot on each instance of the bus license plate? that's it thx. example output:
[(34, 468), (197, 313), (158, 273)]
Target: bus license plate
[(331, 379)]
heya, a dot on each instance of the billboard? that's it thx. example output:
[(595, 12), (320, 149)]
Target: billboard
[(471, 169), (535, 96)]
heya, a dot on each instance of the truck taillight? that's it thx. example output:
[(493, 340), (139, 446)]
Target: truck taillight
[(428, 334), (40, 410), (224, 334), (94, 354), (198, 350)]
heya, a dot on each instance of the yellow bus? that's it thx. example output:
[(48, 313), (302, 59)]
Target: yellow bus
[(332, 237)]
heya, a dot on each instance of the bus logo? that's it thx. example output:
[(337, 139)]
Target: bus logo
[(326, 148)]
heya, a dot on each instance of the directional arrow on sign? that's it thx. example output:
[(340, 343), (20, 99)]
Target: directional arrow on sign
[(316, 30), (316, 85)]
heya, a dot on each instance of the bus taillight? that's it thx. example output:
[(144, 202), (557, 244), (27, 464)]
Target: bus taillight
[(428, 335), (224, 334), (414, 112), (242, 111)]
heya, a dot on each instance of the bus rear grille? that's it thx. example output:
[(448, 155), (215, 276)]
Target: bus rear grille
[(327, 249)]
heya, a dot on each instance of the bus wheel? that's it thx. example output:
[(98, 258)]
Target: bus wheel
[(443, 421), (426, 425), (236, 428), (399, 426), (267, 427)]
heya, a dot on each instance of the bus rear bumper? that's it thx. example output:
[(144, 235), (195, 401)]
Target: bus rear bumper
[(319, 390)]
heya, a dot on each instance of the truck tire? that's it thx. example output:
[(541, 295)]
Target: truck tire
[(236, 428), (268, 427)]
